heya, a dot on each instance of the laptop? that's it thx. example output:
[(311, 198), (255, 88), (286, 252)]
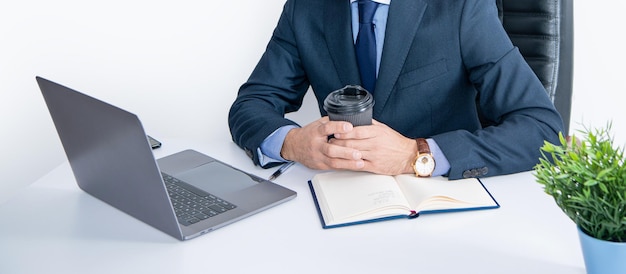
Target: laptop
[(185, 194)]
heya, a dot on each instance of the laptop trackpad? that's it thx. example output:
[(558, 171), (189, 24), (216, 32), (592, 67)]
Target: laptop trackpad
[(216, 178)]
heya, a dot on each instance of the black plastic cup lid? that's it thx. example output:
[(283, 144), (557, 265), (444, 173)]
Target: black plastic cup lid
[(350, 99)]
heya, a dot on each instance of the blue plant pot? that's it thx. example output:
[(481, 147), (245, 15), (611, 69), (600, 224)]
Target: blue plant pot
[(602, 257)]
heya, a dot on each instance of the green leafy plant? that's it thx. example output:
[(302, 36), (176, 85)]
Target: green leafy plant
[(587, 179)]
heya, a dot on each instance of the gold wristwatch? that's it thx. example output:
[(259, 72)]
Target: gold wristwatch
[(424, 163)]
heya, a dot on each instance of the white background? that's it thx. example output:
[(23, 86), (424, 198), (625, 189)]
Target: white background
[(178, 66)]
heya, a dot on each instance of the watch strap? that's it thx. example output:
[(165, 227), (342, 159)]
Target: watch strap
[(422, 146)]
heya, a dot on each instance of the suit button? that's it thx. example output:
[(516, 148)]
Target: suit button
[(476, 172), (484, 171), (468, 174)]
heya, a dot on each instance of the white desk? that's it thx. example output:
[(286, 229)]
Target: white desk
[(54, 227)]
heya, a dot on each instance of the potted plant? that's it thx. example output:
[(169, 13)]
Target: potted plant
[(587, 179)]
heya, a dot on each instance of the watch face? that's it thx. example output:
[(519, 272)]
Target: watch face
[(424, 165)]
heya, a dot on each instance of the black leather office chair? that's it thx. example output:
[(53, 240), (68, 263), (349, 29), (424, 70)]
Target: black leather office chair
[(543, 30)]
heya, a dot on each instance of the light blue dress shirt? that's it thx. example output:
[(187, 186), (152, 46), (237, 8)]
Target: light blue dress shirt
[(270, 148)]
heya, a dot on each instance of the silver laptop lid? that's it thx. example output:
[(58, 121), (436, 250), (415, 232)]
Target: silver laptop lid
[(110, 155)]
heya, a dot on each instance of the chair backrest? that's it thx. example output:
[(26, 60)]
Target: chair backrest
[(543, 30)]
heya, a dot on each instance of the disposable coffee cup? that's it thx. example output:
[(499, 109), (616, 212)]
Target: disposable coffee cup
[(352, 104)]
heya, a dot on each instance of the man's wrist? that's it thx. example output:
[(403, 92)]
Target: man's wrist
[(286, 149), (272, 145), (408, 166)]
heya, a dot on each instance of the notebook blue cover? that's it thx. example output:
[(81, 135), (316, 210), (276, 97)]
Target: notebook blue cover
[(411, 215)]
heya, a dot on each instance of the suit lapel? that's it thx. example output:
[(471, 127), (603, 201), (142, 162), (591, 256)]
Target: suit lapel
[(402, 24), (338, 34)]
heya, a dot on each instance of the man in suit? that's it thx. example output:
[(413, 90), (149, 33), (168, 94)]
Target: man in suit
[(441, 64)]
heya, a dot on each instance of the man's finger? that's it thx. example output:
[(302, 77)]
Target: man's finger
[(334, 127)]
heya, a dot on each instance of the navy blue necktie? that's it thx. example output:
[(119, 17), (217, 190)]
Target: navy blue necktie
[(366, 44)]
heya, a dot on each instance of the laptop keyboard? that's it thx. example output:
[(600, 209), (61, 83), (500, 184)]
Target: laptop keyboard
[(192, 204)]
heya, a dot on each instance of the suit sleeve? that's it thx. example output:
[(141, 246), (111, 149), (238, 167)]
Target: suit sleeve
[(276, 86), (510, 96)]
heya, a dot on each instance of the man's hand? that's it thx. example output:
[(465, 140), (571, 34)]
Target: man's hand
[(309, 146), (376, 148), (384, 150)]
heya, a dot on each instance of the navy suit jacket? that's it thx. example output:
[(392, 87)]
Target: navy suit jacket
[(444, 64)]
